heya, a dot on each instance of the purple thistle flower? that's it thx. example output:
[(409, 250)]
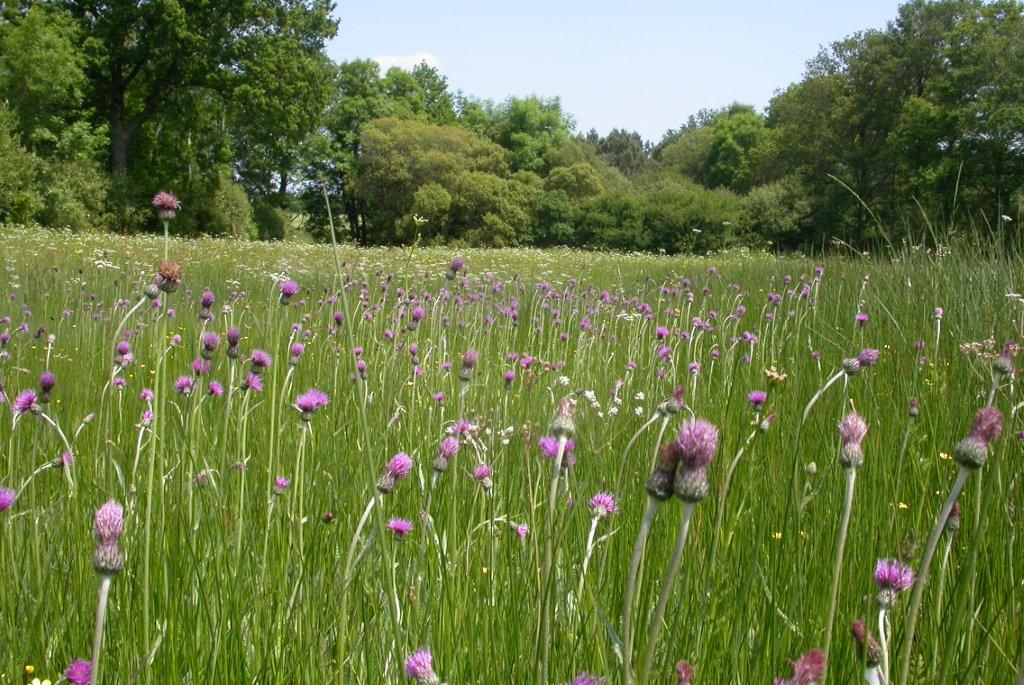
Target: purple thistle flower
[(660, 332), (166, 205), (549, 446), (207, 299), (261, 361), (146, 395), (47, 381), (66, 460), (108, 524), (308, 402), (867, 357), (937, 313), (400, 527), (852, 430), (420, 667), (210, 341), (807, 670), (216, 389), (757, 398), (253, 382), (201, 367), (457, 265), (522, 530), (234, 336), (867, 646), (289, 288), (510, 377), (892, 575), (7, 499), (26, 401), (585, 678), (482, 474), (988, 424), (603, 504), (684, 673), (862, 318), (399, 466), (185, 385), (697, 442), (79, 672), (281, 484)]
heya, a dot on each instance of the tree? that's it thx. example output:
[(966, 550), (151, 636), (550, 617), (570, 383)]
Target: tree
[(624, 150)]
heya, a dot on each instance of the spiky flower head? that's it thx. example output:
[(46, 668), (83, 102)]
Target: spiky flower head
[(210, 342), (308, 402), (79, 672), (684, 673), (400, 527), (207, 299), (603, 504), (234, 336), (757, 398), (585, 678), (398, 467), (420, 667), (691, 484), (698, 442), (852, 430), (851, 366), (564, 424), (809, 669), (108, 524), (166, 205), (988, 424), (892, 578), (482, 474), (1003, 365), (448, 448), (261, 361), (868, 648), (7, 499), (26, 401), (47, 381), (867, 357), (673, 405), (168, 276), (281, 484)]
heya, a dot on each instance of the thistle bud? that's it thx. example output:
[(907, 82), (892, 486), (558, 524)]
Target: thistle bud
[(691, 484), (851, 366), (971, 452), (659, 484), (915, 408), (766, 422), (108, 559), (563, 425), (868, 648)]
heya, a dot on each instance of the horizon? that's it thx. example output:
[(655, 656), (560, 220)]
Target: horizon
[(559, 50)]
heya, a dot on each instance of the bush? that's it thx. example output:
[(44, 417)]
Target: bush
[(271, 221), (19, 199), (223, 210)]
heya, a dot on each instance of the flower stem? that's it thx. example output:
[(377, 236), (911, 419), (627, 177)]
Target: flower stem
[(101, 616), (837, 566), (629, 595), (666, 590), (549, 552), (922, 573)]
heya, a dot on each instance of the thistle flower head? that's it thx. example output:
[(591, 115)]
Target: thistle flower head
[(47, 381), (234, 336), (549, 446), (482, 474), (420, 667), (207, 299), (185, 385), (108, 524), (684, 673), (867, 357), (564, 424), (851, 367), (79, 672), (852, 430), (448, 448), (281, 484), (166, 205), (400, 465), (26, 401), (766, 422), (470, 358), (7, 499), (603, 504), (868, 648), (261, 361), (308, 402), (953, 520), (210, 341), (892, 575), (757, 398), (168, 276), (252, 382), (289, 288), (697, 442), (400, 527), (809, 669), (988, 424), (585, 678)]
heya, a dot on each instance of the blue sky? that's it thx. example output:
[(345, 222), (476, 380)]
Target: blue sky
[(643, 65)]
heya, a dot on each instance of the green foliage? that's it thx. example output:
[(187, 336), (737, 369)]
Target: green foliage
[(221, 209), (271, 221), (19, 195)]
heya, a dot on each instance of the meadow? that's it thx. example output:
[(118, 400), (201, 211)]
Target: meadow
[(272, 535)]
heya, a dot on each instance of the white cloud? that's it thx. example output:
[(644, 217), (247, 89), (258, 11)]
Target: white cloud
[(407, 62)]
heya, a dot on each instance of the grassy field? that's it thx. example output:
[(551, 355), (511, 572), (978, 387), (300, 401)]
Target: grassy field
[(232, 576)]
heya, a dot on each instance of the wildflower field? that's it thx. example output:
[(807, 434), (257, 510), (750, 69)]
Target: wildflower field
[(245, 463)]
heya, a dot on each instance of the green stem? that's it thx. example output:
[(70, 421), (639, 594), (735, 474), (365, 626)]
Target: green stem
[(837, 565)]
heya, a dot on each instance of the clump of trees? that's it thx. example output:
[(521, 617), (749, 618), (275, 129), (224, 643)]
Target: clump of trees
[(236, 108)]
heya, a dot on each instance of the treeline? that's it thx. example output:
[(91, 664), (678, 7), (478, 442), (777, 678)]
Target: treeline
[(235, 107)]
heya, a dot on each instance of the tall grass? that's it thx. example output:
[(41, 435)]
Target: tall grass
[(230, 578)]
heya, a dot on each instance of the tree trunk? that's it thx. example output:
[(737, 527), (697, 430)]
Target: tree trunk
[(119, 134)]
